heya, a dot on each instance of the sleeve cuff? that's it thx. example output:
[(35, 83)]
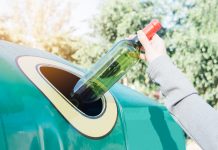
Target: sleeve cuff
[(173, 83)]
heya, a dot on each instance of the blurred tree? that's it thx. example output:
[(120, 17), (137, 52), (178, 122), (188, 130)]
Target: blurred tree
[(89, 52), (40, 24), (62, 45), (4, 35), (119, 19), (190, 37), (196, 48)]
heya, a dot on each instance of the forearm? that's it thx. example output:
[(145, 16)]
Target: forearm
[(196, 117), (199, 120), (173, 84)]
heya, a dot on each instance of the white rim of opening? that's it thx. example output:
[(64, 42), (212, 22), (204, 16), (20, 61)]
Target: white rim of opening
[(94, 127)]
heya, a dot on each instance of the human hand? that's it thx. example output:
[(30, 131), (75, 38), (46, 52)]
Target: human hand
[(153, 48)]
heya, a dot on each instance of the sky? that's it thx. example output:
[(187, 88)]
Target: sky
[(82, 13)]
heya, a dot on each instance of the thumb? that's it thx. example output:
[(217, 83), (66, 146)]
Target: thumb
[(144, 40)]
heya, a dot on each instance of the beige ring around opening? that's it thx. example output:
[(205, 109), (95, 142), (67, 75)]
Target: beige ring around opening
[(92, 127)]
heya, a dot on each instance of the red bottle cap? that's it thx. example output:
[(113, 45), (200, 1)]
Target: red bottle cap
[(152, 28)]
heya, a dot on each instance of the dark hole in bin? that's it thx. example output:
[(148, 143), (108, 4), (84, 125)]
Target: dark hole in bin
[(64, 82)]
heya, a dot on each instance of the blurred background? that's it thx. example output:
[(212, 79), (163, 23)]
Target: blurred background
[(82, 30)]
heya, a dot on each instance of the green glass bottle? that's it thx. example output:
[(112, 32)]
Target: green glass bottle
[(111, 67)]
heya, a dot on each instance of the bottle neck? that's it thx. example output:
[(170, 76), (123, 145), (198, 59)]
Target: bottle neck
[(136, 41)]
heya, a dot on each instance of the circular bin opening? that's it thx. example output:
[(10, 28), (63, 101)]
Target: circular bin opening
[(64, 82), (54, 79)]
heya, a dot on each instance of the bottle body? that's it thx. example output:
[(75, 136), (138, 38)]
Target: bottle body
[(110, 68), (107, 71)]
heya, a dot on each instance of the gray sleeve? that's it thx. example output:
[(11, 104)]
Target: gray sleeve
[(198, 119)]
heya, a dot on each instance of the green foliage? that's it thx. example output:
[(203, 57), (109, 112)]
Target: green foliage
[(190, 35), (89, 52), (196, 48), (118, 20)]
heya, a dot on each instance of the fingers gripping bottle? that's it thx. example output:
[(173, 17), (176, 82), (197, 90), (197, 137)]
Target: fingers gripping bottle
[(111, 67)]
